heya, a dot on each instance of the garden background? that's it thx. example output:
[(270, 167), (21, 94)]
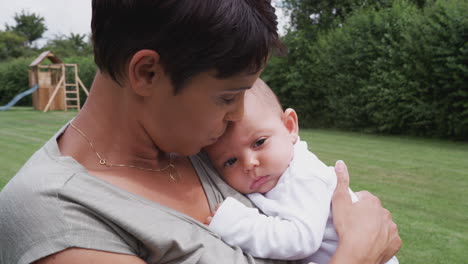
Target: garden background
[(380, 84)]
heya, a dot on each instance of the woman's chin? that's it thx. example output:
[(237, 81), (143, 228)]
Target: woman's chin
[(190, 152), (185, 150)]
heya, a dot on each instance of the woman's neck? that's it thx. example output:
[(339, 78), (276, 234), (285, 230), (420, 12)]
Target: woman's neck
[(110, 122)]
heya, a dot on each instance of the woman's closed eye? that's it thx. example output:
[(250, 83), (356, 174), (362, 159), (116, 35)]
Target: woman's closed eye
[(229, 99), (230, 162)]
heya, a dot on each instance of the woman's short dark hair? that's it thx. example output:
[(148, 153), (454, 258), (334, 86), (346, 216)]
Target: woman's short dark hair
[(191, 36)]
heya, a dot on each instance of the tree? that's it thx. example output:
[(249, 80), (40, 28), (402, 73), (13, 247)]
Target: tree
[(77, 40), (316, 15), (29, 25), (11, 45), (401, 69), (72, 45)]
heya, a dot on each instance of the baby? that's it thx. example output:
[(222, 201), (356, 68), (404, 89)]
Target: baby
[(263, 157)]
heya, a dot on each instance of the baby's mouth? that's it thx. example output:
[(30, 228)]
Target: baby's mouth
[(259, 182)]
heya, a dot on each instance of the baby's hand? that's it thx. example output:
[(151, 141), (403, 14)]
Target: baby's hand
[(209, 218)]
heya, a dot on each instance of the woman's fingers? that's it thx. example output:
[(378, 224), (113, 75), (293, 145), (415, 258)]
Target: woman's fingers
[(394, 238), (208, 220), (389, 227), (365, 195), (341, 199), (342, 183), (365, 227)]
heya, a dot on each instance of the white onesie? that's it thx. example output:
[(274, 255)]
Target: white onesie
[(296, 224)]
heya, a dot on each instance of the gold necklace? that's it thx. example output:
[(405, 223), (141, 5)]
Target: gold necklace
[(173, 174)]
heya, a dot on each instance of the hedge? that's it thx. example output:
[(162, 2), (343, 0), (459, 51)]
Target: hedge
[(14, 77), (400, 70)]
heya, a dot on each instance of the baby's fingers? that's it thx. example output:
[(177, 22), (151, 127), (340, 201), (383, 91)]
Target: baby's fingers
[(208, 220)]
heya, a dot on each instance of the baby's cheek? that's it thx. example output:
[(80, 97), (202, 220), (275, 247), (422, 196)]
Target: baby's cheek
[(234, 180), (283, 160)]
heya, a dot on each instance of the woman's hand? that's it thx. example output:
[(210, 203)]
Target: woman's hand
[(365, 229)]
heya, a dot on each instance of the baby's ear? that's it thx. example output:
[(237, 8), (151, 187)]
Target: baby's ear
[(291, 123)]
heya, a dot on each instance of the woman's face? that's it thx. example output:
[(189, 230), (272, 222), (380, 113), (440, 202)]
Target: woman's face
[(198, 115)]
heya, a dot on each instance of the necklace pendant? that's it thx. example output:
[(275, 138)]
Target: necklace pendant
[(103, 162), (174, 175)]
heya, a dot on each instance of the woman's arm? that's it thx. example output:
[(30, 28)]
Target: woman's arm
[(84, 256), (87, 256), (366, 231)]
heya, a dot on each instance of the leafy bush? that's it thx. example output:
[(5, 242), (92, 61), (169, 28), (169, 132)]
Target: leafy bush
[(395, 70), (14, 79), (70, 45), (11, 45), (445, 33), (86, 68), (86, 71)]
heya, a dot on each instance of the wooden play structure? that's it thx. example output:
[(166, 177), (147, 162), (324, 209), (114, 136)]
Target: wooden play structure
[(58, 84)]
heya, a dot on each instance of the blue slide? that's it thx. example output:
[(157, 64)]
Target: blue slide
[(18, 97)]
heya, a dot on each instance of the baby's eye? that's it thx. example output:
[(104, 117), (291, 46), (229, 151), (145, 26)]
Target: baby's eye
[(259, 142), (230, 162)]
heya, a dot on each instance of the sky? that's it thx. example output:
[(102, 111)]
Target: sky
[(61, 16)]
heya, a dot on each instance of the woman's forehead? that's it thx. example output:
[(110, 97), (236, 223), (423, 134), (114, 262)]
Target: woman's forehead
[(208, 81)]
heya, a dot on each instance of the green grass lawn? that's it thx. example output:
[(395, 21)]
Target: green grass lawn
[(423, 182), (22, 132)]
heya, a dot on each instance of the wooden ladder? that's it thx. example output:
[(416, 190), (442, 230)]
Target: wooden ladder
[(72, 91)]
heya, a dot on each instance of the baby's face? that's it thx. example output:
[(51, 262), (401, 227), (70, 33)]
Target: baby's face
[(254, 152)]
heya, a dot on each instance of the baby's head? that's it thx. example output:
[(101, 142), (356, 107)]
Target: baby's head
[(253, 153)]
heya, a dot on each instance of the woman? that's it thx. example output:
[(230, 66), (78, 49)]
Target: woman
[(108, 187)]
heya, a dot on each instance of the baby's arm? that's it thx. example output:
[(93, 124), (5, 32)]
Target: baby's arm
[(239, 225), (260, 235)]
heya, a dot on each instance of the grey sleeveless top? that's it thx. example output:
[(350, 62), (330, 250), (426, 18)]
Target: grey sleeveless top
[(53, 203)]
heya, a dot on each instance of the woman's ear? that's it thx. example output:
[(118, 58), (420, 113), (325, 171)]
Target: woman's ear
[(291, 123), (143, 71)]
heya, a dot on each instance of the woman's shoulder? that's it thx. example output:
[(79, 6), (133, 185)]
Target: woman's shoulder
[(41, 176), (38, 216), (49, 207), (37, 181)]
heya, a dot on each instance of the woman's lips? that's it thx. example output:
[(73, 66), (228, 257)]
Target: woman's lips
[(258, 182), (214, 139)]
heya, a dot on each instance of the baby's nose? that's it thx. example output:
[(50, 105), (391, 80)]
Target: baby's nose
[(251, 163)]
